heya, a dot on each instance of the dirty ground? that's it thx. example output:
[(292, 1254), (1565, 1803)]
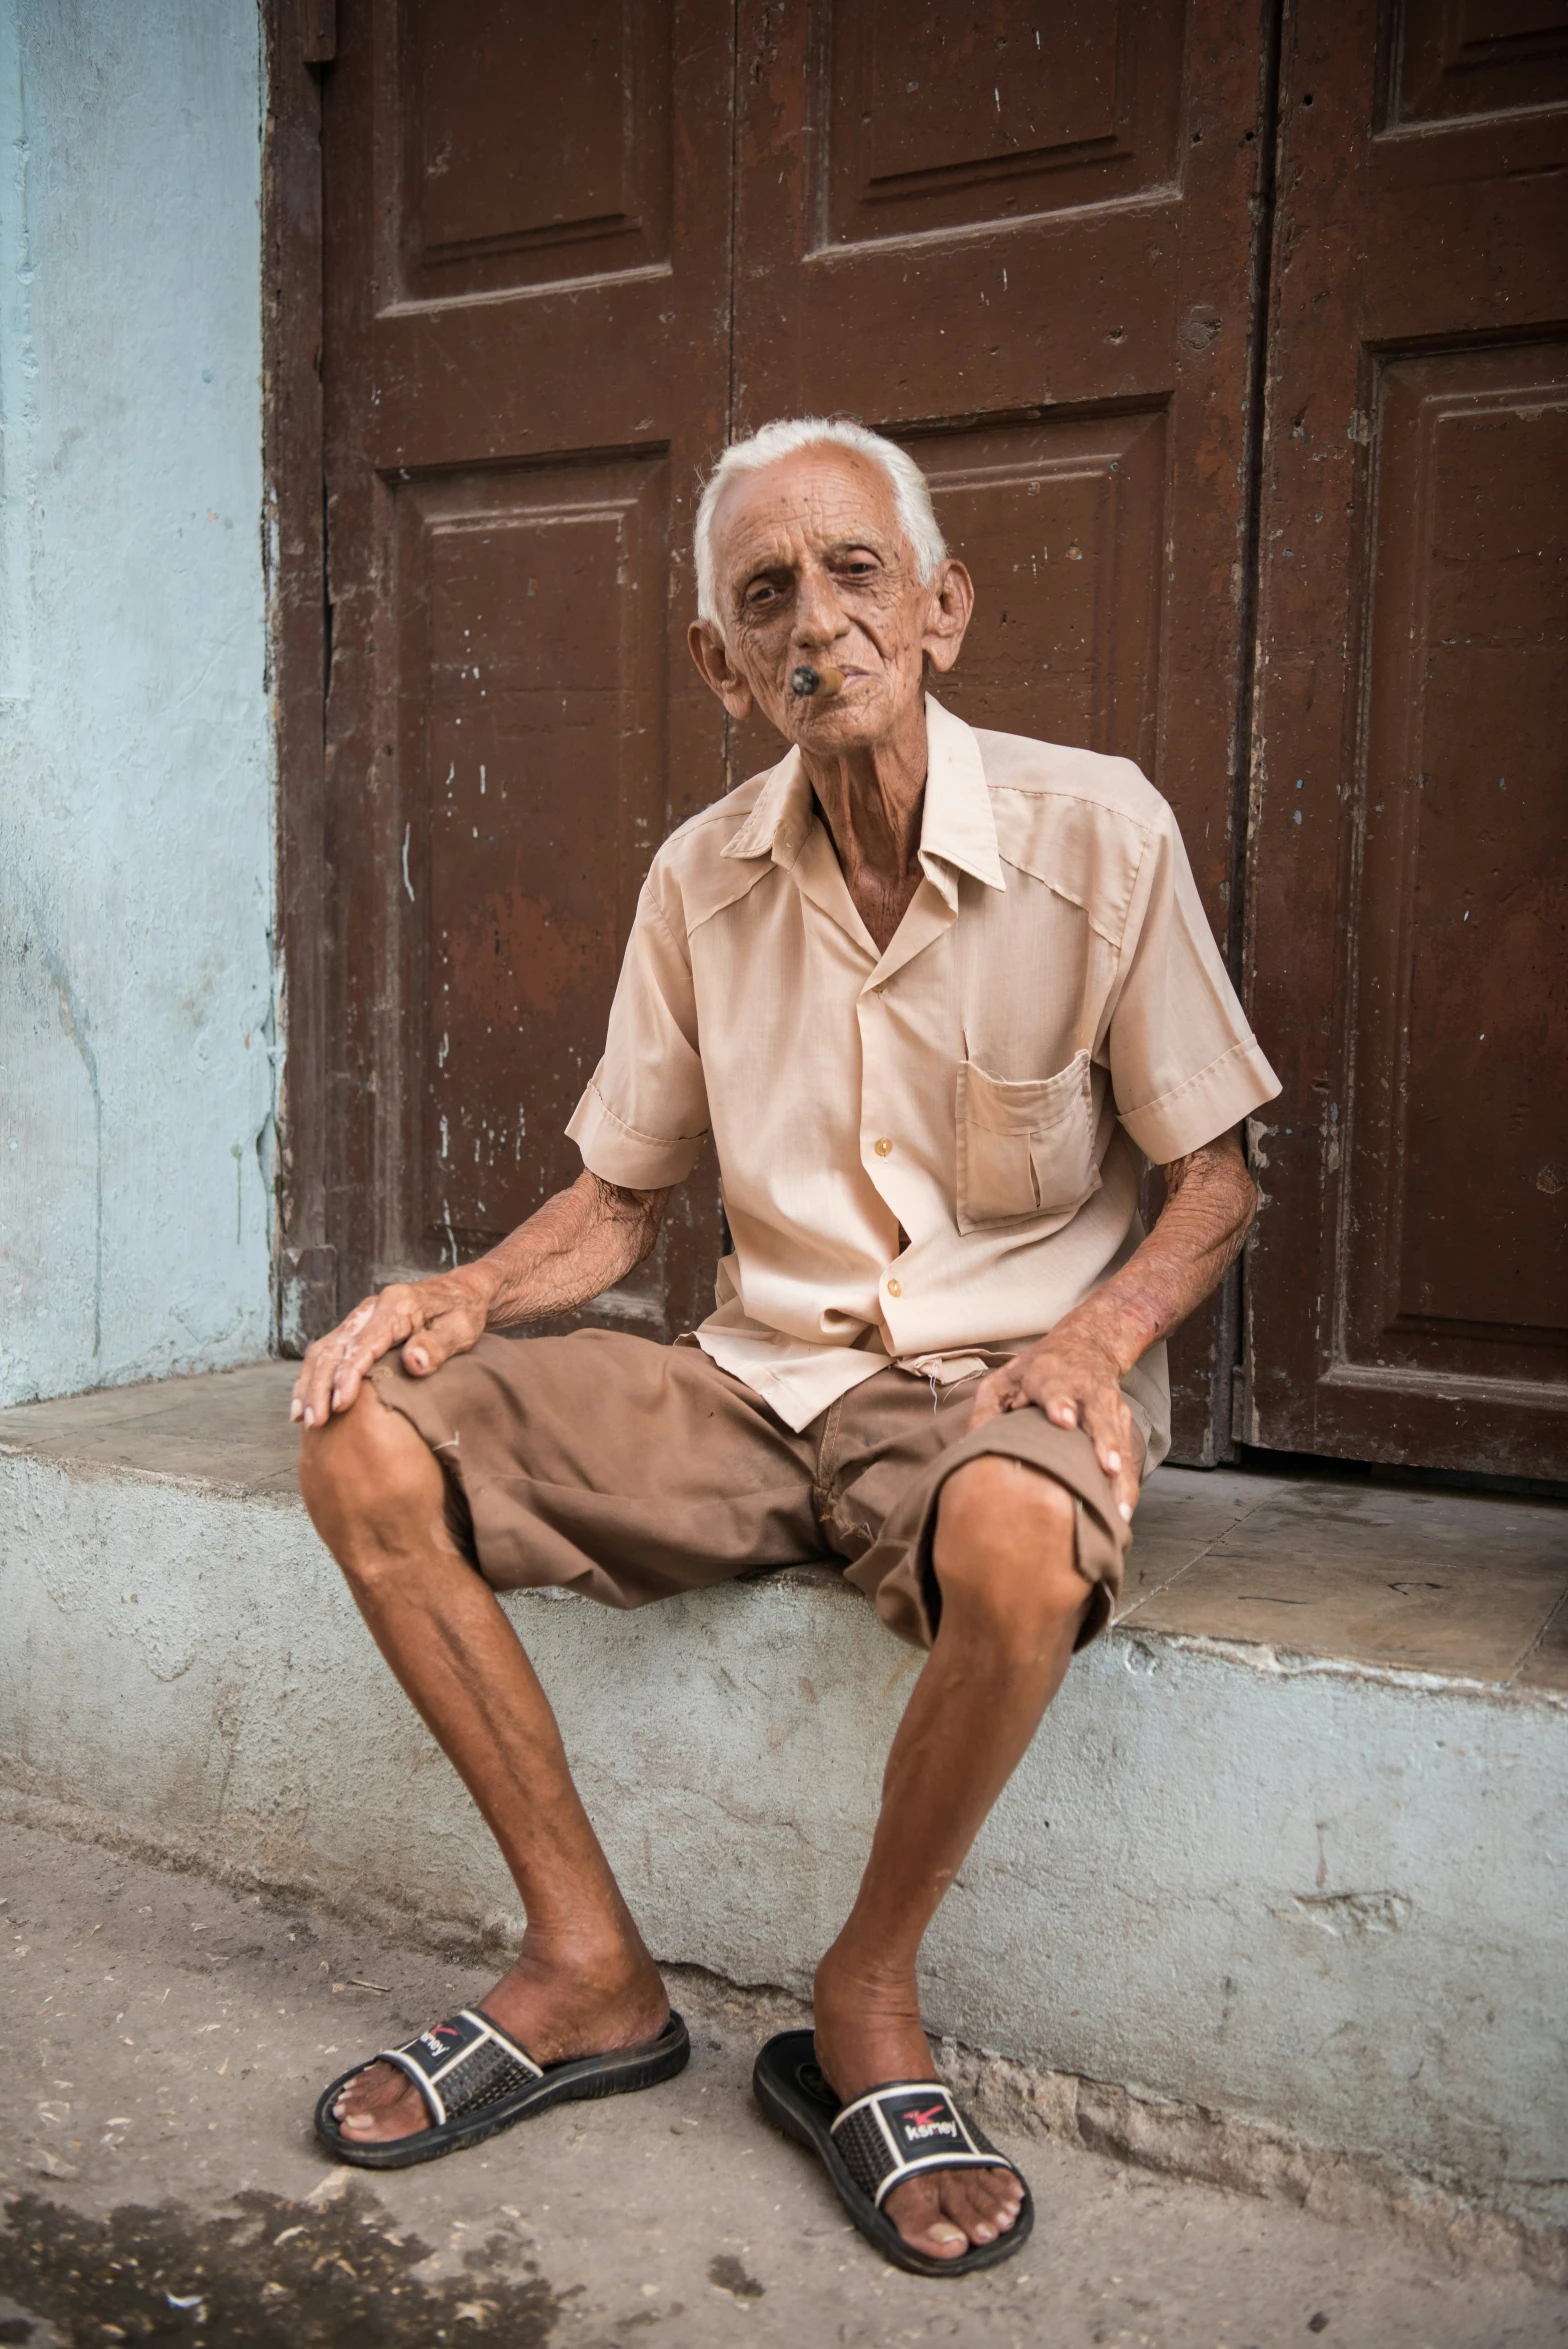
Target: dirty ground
[(163, 2044)]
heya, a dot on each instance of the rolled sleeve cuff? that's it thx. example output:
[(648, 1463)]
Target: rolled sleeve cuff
[(1204, 1106), (619, 1153)]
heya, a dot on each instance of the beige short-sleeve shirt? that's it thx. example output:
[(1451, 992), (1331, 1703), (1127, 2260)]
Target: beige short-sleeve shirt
[(939, 1147)]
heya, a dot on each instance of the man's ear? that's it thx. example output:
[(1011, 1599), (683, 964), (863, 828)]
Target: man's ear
[(713, 660), (952, 605)]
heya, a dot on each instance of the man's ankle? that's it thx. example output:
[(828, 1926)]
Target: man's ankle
[(595, 1959), (850, 1976)]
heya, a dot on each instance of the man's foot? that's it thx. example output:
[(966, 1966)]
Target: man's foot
[(868, 2031), (553, 2007)]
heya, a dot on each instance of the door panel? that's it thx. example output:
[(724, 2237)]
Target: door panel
[(527, 372), (1023, 243), (1456, 1240), (938, 121), (1409, 1287), (531, 685), (1456, 57), (533, 145), (1062, 525)]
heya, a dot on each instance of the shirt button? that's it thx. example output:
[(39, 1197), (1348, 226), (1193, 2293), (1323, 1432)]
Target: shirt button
[(894, 1288), (883, 1147)]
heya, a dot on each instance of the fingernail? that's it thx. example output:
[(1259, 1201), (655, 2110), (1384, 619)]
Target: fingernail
[(308, 1416), (1113, 1461), (296, 1411), (419, 1359), (1069, 1415), (1126, 1510)]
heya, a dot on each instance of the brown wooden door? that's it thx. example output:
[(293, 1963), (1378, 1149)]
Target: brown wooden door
[(527, 264), (1022, 240), (1408, 919), (1027, 246)]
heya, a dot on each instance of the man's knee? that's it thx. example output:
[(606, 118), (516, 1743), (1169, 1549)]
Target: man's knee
[(1005, 1552), (373, 1488)]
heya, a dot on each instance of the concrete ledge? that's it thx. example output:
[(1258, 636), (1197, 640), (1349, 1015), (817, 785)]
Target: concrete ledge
[(1316, 1896)]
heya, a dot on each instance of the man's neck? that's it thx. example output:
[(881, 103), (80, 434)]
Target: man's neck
[(872, 801)]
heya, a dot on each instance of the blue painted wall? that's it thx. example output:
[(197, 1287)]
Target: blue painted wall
[(136, 797)]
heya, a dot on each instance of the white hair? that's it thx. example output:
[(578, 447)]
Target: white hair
[(911, 491)]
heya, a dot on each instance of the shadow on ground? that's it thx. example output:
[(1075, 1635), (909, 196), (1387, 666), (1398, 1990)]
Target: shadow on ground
[(274, 2275)]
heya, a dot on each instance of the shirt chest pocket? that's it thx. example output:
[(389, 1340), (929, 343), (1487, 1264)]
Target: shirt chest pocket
[(1025, 1145)]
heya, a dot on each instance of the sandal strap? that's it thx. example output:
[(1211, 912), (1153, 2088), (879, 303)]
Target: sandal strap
[(903, 2128), (463, 2063)]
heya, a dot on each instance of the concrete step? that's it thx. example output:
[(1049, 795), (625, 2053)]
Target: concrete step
[(1284, 1866)]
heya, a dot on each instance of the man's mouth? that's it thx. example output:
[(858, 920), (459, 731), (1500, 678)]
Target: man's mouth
[(820, 685)]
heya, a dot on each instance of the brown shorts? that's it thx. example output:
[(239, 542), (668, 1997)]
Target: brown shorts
[(631, 1471)]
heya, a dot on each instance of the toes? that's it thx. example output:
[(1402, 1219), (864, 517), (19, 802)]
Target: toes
[(968, 2206), (916, 2210), (372, 2090), (985, 2203), (379, 2103), (947, 2211), (384, 2122)]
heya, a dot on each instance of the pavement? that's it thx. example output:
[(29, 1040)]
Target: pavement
[(165, 2039)]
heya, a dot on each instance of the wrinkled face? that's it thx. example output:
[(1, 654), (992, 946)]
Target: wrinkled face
[(811, 565)]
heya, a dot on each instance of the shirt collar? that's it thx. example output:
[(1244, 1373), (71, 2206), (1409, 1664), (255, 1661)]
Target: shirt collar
[(957, 829), (781, 817)]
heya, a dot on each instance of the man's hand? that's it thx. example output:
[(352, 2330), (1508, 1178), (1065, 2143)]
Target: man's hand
[(431, 1320), (1076, 1383), (1075, 1372), (574, 1247)]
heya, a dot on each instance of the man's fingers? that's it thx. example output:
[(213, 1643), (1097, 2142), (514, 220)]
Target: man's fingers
[(1070, 1401), (1105, 1420), (992, 1397), (427, 1319), (349, 1376), (313, 1389), (1060, 1400), (449, 1328), (1124, 1481), (336, 1364), (432, 1345), (362, 1353), (1108, 1424)]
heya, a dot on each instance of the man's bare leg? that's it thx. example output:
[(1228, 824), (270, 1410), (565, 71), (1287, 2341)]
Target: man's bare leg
[(583, 1982), (1012, 1602)]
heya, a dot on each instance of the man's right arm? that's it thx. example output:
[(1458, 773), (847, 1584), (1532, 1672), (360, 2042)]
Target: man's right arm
[(579, 1243)]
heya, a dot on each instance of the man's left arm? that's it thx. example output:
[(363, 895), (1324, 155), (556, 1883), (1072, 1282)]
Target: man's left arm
[(1075, 1372)]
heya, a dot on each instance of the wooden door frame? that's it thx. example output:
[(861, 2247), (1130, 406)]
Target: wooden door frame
[(298, 38)]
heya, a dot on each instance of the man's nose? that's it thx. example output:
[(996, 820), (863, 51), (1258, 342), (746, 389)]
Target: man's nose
[(819, 615)]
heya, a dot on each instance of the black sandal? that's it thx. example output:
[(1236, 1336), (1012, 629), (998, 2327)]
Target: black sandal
[(476, 2081), (869, 2146)]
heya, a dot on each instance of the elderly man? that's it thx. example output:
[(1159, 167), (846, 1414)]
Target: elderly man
[(936, 993)]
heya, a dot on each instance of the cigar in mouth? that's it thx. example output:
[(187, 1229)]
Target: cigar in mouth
[(806, 681)]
